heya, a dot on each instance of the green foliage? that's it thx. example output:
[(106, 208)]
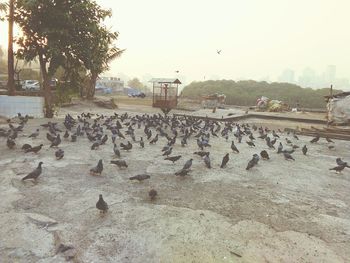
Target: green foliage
[(245, 93), (28, 73), (65, 91), (137, 84)]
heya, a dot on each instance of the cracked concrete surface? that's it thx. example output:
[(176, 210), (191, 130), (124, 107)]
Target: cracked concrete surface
[(277, 212)]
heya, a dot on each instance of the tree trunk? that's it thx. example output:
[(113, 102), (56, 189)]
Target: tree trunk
[(91, 89), (47, 88), (10, 64)]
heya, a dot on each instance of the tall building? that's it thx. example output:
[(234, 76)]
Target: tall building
[(287, 76), (330, 74)]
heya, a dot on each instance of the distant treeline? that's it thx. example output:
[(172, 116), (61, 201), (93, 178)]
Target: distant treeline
[(245, 93)]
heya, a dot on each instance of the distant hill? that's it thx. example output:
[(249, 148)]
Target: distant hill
[(245, 93)]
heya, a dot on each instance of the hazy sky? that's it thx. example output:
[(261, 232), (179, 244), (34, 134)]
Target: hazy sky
[(258, 38)]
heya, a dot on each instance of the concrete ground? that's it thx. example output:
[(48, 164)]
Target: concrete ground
[(279, 211)]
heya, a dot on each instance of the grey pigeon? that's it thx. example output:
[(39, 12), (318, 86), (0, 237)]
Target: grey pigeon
[(97, 170), (59, 154), (34, 174), (102, 205), (140, 177), (188, 164), (120, 163)]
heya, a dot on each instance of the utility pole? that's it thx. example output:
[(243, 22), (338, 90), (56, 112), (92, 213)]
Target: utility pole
[(10, 64)]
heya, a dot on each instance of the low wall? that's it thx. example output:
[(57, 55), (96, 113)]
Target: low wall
[(11, 105)]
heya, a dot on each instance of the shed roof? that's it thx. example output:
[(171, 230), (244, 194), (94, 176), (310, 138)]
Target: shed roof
[(165, 80), (339, 95)]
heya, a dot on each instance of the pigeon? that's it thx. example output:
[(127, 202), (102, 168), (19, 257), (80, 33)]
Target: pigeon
[(329, 140), (66, 135), (10, 143), (34, 174), (101, 205), (120, 163), (331, 147), (182, 172), (152, 194), (116, 150), (201, 154), (251, 144), (97, 170), (168, 152), (35, 149), (207, 161), (188, 164), (34, 134), (26, 146), (59, 154), (280, 148), (304, 149), (264, 155), (154, 140), (225, 160), (126, 147), (95, 145), (56, 142), (140, 177), (288, 156), (73, 137), (50, 137), (338, 169), (173, 158), (342, 163), (142, 143), (234, 148), (314, 140), (251, 164)]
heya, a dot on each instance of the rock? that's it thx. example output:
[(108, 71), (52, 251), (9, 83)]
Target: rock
[(107, 103)]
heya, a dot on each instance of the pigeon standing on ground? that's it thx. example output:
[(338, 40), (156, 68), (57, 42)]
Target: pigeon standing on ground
[(34, 134), (35, 149), (10, 143), (340, 162), (234, 148), (288, 156), (173, 158), (338, 168), (225, 160), (207, 161), (140, 177), (264, 155), (34, 174), (102, 205), (59, 154), (314, 140), (188, 164), (116, 151), (120, 163), (97, 170), (152, 194), (304, 149)]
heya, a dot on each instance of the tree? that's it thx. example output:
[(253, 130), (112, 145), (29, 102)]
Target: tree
[(64, 33), (10, 57), (98, 47)]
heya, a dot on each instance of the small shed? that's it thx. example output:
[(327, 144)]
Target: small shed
[(165, 92), (338, 108)]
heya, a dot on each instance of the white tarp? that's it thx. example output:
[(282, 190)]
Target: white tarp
[(11, 105), (339, 110)]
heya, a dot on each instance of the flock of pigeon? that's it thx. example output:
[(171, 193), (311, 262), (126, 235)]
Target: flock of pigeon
[(99, 129)]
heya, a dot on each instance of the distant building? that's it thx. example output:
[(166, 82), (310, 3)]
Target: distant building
[(110, 85), (287, 76), (330, 74)]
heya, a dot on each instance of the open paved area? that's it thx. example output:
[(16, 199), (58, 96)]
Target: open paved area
[(278, 211)]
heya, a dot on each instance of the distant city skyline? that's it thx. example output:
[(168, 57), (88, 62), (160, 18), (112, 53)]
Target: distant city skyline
[(258, 39)]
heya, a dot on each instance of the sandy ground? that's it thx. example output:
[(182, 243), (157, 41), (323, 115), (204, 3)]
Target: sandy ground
[(279, 211)]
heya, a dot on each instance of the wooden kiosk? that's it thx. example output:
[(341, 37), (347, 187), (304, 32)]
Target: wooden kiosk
[(165, 93)]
